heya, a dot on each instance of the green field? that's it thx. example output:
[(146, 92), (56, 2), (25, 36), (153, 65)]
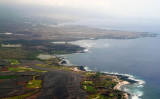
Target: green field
[(89, 88), (34, 83), (98, 96), (88, 83), (61, 68), (7, 77), (23, 69), (41, 65), (23, 96), (14, 62)]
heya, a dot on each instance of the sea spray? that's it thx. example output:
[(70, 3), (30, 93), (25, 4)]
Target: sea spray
[(134, 88)]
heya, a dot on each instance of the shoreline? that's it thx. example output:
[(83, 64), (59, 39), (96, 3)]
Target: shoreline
[(117, 79), (124, 79), (120, 84)]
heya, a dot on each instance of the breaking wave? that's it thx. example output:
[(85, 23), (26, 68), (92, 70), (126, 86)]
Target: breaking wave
[(135, 86)]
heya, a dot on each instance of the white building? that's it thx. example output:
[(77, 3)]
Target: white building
[(11, 45), (59, 42)]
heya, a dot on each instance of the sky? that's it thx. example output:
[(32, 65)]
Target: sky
[(126, 8)]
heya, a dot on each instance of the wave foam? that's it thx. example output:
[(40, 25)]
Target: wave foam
[(135, 89), (87, 68)]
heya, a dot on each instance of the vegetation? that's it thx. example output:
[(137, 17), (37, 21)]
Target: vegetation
[(14, 62), (55, 66), (23, 69), (41, 65), (61, 68), (34, 83), (95, 84), (89, 88), (18, 53), (34, 47), (100, 86), (88, 74), (31, 55), (7, 76), (54, 61), (36, 42), (23, 96), (97, 96), (12, 53), (88, 83)]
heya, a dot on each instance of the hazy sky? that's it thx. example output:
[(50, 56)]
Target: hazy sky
[(131, 8)]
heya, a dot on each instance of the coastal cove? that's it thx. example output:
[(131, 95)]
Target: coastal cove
[(136, 58)]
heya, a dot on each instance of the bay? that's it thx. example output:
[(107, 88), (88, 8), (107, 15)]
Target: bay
[(139, 58)]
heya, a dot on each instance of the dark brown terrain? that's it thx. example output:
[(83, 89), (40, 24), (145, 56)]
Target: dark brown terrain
[(57, 84)]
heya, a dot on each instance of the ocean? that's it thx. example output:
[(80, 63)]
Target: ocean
[(139, 59)]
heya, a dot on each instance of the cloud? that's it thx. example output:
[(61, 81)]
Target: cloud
[(71, 3), (134, 8)]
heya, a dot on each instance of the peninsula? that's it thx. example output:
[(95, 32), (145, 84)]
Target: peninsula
[(25, 75)]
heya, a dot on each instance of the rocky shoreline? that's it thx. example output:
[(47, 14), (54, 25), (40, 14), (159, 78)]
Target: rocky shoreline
[(121, 79)]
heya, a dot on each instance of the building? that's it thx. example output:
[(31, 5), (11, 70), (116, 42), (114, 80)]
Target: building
[(59, 42), (11, 45)]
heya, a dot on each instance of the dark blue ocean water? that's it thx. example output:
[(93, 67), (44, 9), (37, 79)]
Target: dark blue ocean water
[(140, 58)]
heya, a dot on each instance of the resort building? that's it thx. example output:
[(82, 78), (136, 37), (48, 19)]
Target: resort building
[(59, 42), (11, 45)]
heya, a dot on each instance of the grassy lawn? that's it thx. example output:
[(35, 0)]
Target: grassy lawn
[(61, 68), (34, 83), (88, 83), (66, 68), (31, 84), (41, 65), (55, 67), (7, 77), (23, 69), (89, 73), (14, 62), (89, 88), (111, 84), (98, 96), (100, 86), (23, 96)]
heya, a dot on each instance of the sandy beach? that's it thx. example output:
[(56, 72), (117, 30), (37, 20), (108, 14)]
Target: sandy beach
[(118, 86), (120, 83)]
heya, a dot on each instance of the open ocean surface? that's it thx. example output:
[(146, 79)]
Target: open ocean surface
[(138, 58)]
